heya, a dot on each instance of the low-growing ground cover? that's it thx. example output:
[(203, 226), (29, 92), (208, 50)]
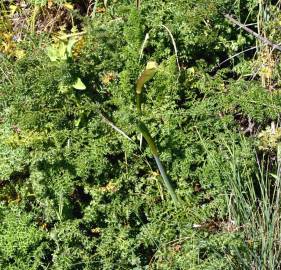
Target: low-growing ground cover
[(79, 187)]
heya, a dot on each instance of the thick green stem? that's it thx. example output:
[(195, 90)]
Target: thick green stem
[(144, 131), (166, 179), (138, 101)]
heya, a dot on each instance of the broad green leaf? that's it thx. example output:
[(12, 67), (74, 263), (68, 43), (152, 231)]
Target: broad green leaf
[(79, 85), (57, 52), (69, 46), (62, 51), (52, 53)]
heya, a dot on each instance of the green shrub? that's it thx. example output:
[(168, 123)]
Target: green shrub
[(76, 193)]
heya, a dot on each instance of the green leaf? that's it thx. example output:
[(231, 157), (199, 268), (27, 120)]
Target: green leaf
[(79, 85), (57, 52), (52, 53), (146, 75), (69, 46)]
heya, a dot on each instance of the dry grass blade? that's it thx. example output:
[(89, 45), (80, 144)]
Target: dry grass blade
[(174, 44), (143, 45), (115, 127), (233, 56)]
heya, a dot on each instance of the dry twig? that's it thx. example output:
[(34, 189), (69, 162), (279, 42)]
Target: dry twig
[(247, 29)]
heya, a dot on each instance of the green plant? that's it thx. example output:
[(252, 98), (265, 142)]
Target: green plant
[(145, 76), (74, 184), (254, 204)]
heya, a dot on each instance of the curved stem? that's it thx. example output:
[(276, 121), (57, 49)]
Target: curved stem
[(146, 75), (145, 133), (143, 129)]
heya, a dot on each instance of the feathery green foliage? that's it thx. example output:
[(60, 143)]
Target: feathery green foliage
[(75, 193)]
